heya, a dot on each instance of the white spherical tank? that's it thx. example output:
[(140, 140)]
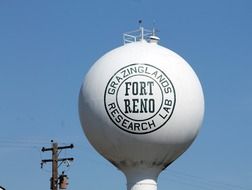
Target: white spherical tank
[(141, 106)]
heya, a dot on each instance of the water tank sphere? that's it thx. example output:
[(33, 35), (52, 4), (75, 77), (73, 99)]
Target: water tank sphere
[(141, 106)]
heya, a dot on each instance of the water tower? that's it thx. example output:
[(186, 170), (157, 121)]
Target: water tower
[(141, 106)]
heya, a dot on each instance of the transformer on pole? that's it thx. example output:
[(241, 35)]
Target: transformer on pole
[(55, 179)]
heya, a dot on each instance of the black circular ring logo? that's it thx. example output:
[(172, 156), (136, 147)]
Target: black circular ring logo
[(139, 98)]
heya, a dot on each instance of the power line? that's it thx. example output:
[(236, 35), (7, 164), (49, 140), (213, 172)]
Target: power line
[(194, 180)]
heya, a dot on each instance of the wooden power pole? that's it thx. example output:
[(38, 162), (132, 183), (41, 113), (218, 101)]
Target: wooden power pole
[(55, 160)]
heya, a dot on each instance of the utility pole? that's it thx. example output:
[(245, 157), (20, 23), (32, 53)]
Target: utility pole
[(55, 160)]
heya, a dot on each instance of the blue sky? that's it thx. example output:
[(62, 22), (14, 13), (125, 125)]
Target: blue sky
[(46, 47)]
